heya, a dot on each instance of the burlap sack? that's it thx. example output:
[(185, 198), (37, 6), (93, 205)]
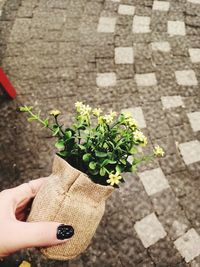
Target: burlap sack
[(70, 197)]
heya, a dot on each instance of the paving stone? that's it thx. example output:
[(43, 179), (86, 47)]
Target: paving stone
[(126, 10), (161, 46), (175, 223), (176, 28), (106, 24), (172, 163), (176, 116), (189, 245), (194, 55), (149, 230), (161, 5), (138, 115), (141, 24), (154, 181), (190, 151), (124, 55), (172, 101), (148, 79), (186, 77), (194, 119), (194, 1), (165, 201), (20, 31), (106, 79), (131, 251), (164, 253)]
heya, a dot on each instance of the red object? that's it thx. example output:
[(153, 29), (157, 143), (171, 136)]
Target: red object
[(7, 86)]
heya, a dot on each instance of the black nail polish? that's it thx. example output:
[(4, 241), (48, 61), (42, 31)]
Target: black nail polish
[(64, 231)]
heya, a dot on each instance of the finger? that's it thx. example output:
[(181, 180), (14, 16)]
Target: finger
[(10, 199), (36, 234), (28, 190)]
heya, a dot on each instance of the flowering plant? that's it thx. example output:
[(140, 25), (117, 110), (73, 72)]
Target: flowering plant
[(98, 145)]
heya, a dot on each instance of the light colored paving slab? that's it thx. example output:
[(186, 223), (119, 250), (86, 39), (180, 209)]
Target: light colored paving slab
[(194, 1), (194, 118), (190, 151), (186, 77), (106, 79), (194, 55), (161, 46), (126, 10), (176, 28), (106, 24), (149, 230), (148, 79), (172, 101), (124, 55), (161, 5), (138, 115), (188, 245), (154, 181), (141, 24)]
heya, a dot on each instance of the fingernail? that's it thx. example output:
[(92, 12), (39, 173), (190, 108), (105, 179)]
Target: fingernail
[(64, 231)]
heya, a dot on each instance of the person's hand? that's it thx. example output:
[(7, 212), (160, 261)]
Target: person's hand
[(15, 233)]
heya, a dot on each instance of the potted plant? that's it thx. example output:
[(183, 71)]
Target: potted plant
[(92, 156)]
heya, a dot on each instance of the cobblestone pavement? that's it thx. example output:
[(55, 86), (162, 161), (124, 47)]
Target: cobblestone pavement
[(141, 55)]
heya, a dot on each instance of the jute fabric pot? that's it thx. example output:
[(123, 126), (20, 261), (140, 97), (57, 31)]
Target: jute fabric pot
[(70, 197)]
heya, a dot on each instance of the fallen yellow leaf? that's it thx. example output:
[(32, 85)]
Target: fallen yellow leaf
[(25, 264)]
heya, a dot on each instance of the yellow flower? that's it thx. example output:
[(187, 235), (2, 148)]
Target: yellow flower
[(101, 120), (129, 120), (158, 151), (144, 142), (25, 264), (127, 114), (113, 114), (114, 179), (55, 112), (78, 106), (139, 136), (84, 110), (96, 112), (108, 119), (132, 123)]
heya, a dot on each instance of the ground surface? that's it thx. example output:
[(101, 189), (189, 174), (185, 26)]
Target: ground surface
[(144, 56)]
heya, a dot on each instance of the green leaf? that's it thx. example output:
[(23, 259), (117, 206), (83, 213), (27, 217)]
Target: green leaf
[(68, 134), (100, 154), (46, 122), (134, 168), (56, 131), (60, 144), (25, 108), (32, 119), (62, 153), (102, 171), (111, 143), (92, 165), (87, 157), (105, 146), (108, 161), (82, 147), (123, 161), (94, 172), (118, 168), (133, 150)]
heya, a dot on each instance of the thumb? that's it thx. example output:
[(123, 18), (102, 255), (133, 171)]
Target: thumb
[(39, 234)]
